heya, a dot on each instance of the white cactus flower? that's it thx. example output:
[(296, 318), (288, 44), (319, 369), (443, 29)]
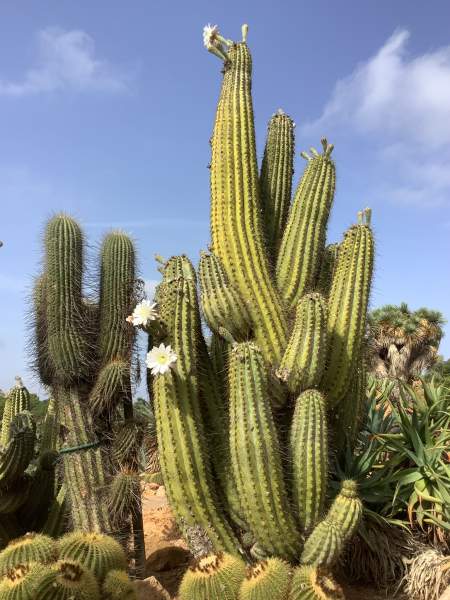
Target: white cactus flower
[(143, 312), (210, 33), (160, 359)]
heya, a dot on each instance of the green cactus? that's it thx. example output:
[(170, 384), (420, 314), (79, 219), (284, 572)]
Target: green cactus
[(225, 311), (326, 270), (214, 577), (55, 524), (303, 361), (68, 348), (97, 552), (20, 583), (11, 499), (19, 451), (236, 224), (324, 545), (267, 580), (306, 228), (117, 586), (124, 494), (20, 398), (309, 583), (277, 169), (309, 455), (66, 580), (255, 454), (6, 420), (252, 412), (347, 310), (34, 510), (31, 548)]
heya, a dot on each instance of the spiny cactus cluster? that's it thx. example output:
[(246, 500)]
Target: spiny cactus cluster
[(78, 566), (222, 576), (28, 486), (83, 350), (246, 423)]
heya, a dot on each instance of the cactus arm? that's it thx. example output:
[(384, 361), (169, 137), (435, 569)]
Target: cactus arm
[(6, 420), (296, 270), (303, 361), (309, 455), (19, 451), (277, 169), (236, 227), (347, 311), (327, 266), (255, 454)]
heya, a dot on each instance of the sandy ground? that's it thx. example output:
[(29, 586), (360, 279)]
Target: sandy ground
[(167, 555)]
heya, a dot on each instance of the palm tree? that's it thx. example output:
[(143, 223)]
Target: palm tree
[(402, 344)]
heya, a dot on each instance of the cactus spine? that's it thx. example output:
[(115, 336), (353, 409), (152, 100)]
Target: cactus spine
[(31, 548), (117, 586), (67, 580), (276, 179)]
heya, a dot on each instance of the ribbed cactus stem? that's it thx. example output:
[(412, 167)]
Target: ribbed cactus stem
[(347, 311), (179, 417), (297, 270), (236, 224), (325, 544), (19, 451), (117, 280), (327, 266), (67, 341), (255, 454), (67, 580), (309, 457), (303, 361), (21, 397), (84, 473), (225, 311), (349, 414), (276, 179), (6, 420)]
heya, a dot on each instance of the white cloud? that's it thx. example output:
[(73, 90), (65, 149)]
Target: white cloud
[(66, 60), (400, 105)]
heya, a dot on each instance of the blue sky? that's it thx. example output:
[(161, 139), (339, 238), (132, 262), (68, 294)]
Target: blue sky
[(106, 109)]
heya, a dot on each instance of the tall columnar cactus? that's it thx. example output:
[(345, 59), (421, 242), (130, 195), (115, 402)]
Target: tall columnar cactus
[(83, 353), (257, 398), (236, 224)]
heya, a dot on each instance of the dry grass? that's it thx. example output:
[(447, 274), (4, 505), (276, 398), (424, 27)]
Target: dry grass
[(428, 575)]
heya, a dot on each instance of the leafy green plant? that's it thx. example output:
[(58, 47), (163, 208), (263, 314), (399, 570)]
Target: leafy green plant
[(419, 455)]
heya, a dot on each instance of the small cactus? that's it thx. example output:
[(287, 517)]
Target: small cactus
[(309, 583), (97, 552), (118, 586), (214, 577), (31, 548), (67, 580), (267, 580)]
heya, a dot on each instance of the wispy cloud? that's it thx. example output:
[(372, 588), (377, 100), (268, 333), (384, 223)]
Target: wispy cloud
[(66, 60), (400, 105)]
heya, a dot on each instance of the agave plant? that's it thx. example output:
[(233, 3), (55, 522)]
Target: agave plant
[(419, 455)]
